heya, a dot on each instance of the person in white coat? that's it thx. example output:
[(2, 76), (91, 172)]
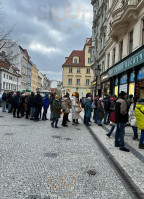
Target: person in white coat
[(76, 108), (132, 118)]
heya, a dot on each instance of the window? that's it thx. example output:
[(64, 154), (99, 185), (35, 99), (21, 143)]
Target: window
[(4, 75), (4, 85), (131, 42), (75, 61), (70, 81), (78, 82), (70, 70), (113, 60), (121, 49), (78, 70), (89, 60), (108, 60), (7, 76), (87, 82), (88, 70)]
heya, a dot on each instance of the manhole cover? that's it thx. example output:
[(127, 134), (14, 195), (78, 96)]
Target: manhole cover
[(67, 138), (38, 197), (56, 136), (92, 172), (8, 134), (51, 155)]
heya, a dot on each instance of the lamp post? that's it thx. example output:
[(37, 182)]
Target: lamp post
[(97, 73)]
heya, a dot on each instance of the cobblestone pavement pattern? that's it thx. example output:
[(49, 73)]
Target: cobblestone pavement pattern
[(41, 162)]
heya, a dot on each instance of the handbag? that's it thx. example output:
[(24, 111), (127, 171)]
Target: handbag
[(113, 117), (78, 109)]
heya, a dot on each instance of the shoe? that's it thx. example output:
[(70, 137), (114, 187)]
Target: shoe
[(47, 119), (31, 119), (18, 117), (99, 124), (125, 149), (106, 123), (88, 125), (68, 121), (56, 127), (73, 123), (52, 125), (141, 146), (65, 125), (135, 138), (117, 145), (108, 135)]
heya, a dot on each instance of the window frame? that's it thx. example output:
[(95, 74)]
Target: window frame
[(78, 70), (78, 82)]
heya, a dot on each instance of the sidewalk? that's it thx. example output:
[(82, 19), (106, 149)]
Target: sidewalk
[(132, 162)]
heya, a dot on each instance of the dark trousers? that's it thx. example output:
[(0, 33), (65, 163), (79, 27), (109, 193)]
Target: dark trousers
[(44, 114), (65, 119), (55, 121), (27, 114), (37, 112), (16, 110)]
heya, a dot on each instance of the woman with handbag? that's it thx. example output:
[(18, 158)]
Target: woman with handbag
[(112, 115)]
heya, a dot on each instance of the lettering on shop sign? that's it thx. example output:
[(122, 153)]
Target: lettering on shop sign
[(131, 62)]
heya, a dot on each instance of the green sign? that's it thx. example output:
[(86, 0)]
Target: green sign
[(131, 62)]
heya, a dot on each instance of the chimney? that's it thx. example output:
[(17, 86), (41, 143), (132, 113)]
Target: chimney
[(66, 58)]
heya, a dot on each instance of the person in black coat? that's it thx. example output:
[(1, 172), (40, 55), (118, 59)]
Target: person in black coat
[(31, 105), (38, 105), (16, 104)]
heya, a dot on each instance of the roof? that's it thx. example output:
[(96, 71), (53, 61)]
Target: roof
[(89, 42), (4, 65), (78, 53)]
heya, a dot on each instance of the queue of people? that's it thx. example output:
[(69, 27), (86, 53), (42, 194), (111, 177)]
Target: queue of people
[(118, 112)]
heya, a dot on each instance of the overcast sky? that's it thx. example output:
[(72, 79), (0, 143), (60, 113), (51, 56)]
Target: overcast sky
[(48, 29)]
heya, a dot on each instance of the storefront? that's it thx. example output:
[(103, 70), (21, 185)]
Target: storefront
[(105, 84), (128, 75)]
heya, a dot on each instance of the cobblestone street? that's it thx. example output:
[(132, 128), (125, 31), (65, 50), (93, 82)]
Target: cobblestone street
[(38, 161)]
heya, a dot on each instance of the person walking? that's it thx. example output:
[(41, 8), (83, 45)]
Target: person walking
[(88, 111), (106, 109), (100, 109), (45, 107), (132, 118), (139, 114), (122, 118), (4, 101), (112, 114), (56, 111)]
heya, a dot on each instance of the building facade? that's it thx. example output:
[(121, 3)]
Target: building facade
[(77, 74), (124, 47), (99, 27), (9, 77), (34, 78)]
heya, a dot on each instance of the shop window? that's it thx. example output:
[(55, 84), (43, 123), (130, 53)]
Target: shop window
[(113, 60), (78, 70), (121, 49), (70, 70), (87, 82), (131, 42), (78, 82), (70, 81)]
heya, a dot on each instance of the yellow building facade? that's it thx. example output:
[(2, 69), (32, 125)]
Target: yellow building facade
[(34, 78), (77, 74)]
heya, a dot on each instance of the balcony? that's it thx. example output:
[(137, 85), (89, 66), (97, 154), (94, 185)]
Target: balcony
[(124, 16)]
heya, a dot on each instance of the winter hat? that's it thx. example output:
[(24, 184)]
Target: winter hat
[(141, 100), (122, 94), (56, 97)]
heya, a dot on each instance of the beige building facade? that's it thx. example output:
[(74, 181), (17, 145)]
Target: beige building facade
[(34, 78), (124, 47), (77, 74)]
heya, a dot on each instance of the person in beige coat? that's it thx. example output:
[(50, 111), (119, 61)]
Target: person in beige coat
[(66, 110)]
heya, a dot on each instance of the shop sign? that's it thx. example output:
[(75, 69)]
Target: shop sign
[(93, 83), (131, 62), (123, 79), (141, 74), (105, 77)]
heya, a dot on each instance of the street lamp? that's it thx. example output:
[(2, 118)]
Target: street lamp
[(97, 73)]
